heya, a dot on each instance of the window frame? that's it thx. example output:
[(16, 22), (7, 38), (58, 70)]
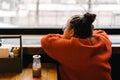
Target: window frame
[(43, 31)]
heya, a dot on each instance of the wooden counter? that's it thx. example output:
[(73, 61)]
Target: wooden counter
[(49, 72)]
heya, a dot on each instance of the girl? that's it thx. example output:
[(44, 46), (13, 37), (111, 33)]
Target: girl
[(83, 53)]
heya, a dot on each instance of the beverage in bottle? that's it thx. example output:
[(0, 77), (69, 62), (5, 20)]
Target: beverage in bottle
[(36, 66)]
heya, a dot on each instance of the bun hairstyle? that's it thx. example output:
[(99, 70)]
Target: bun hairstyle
[(82, 25), (89, 18)]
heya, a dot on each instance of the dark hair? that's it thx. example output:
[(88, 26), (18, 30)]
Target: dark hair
[(82, 25)]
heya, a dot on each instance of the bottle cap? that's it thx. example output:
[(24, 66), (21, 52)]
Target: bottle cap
[(36, 56)]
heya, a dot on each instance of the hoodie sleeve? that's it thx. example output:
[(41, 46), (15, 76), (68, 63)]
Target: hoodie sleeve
[(104, 37), (101, 33), (53, 44)]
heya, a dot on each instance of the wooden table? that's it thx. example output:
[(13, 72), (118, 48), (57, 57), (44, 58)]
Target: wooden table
[(49, 72)]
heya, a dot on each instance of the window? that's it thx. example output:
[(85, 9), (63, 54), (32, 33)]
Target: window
[(52, 14)]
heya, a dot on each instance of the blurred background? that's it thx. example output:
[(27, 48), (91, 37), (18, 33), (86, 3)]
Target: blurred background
[(34, 18), (55, 13)]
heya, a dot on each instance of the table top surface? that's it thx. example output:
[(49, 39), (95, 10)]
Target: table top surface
[(49, 72)]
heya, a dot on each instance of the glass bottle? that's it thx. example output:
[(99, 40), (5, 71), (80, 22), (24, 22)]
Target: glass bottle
[(0, 42), (36, 67)]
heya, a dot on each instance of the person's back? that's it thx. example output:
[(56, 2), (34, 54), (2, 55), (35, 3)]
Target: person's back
[(81, 55)]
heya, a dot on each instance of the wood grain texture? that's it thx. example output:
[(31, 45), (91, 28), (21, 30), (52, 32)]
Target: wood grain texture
[(49, 72)]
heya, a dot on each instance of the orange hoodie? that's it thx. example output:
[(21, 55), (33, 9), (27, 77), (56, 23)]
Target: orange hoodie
[(80, 59)]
